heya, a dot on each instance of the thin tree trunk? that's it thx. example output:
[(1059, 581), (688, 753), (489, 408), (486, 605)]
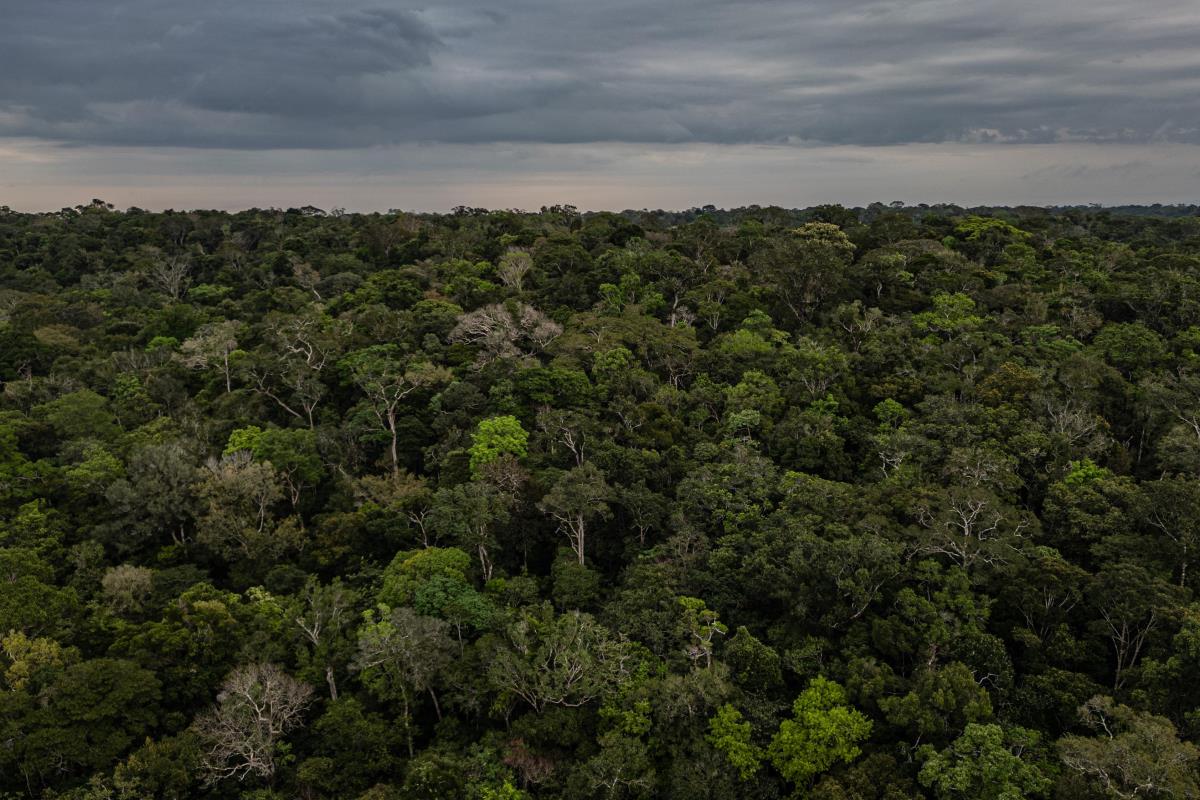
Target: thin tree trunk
[(391, 423), (407, 722), (331, 681), (437, 708)]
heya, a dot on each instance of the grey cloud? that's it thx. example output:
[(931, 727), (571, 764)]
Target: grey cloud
[(306, 74)]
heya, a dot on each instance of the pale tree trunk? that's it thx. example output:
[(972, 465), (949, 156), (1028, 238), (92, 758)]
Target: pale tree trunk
[(331, 681)]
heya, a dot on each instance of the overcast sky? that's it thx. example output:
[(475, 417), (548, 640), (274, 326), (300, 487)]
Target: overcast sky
[(373, 104)]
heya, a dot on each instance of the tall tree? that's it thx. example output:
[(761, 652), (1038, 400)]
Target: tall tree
[(258, 705)]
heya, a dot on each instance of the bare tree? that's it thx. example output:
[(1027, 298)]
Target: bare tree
[(257, 706), (289, 371), (170, 274), (549, 660), (970, 526), (512, 330), (1130, 604), (565, 428)]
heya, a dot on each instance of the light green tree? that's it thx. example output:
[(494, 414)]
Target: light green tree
[(823, 731), (497, 436), (985, 763), (730, 734)]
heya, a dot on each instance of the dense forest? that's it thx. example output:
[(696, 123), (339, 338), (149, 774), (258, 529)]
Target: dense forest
[(888, 502)]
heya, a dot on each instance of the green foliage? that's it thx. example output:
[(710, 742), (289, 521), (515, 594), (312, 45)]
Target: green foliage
[(93, 712), (578, 505), (410, 571), (755, 666), (79, 415), (699, 627), (497, 436), (985, 762), (731, 735), (952, 314), (823, 731), (1131, 751), (1085, 472)]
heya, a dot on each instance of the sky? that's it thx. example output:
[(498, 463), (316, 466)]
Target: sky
[(375, 104)]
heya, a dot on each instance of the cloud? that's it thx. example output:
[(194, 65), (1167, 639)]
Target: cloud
[(278, 74)]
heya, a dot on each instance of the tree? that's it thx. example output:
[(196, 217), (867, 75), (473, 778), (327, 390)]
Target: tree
[(1173, 509), (239, 521), (323, 619), (755, 666), (33, 661), (18, 475), (940, 703), (497, 436), (90, 714), (577, 497), (386, 379), (644, 510), (292, 452), (80, 415), (622, 768), (213, 345), (401, 654), (243, 734), (970, 525), (469, 513), (566, 429), (156, 497), (434, 581), (1130, 604), (510, 331), (1133, 755), (170, 274), (401, 495), (358, 747), (823, 731), (30, 602), (1131, 347), (806, 267), (513, 267), (290, 369), (1177, 393), (191, 648), (127, 587), (985, 763), (699, 626), (731, 735), (549, 660), (164, 768)]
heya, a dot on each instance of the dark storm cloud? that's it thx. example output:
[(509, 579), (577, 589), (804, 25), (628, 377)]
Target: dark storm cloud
[(305, 74)]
